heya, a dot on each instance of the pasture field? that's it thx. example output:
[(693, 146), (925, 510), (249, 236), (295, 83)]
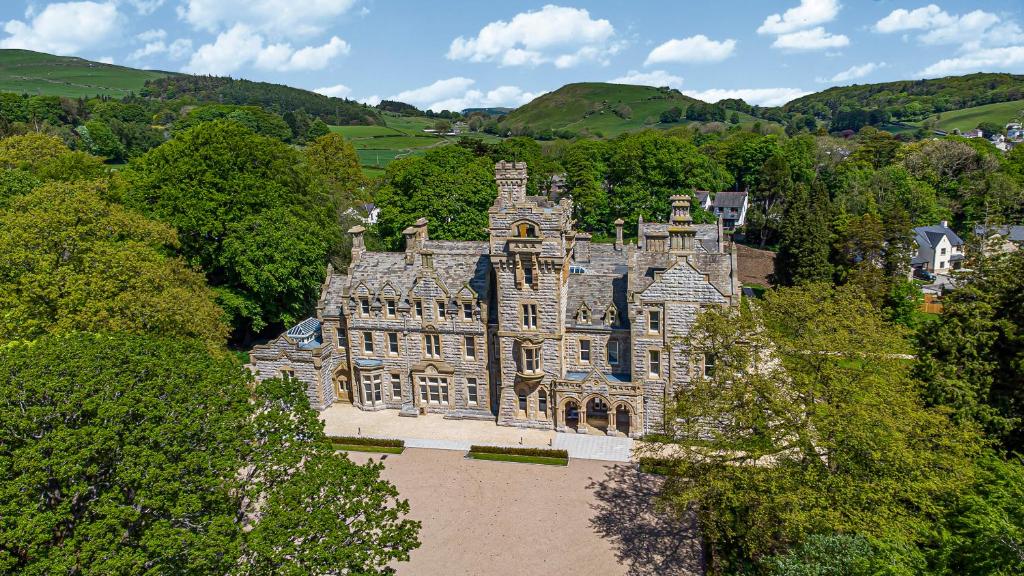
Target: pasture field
[(969, 118), (24, 71)]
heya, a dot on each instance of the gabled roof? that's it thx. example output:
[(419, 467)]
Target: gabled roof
[(930, 236), (682, 282), (730, 200), (305, 329)]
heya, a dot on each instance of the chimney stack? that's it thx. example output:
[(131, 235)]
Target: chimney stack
[(581, 250), (618, 233), (411, 245), (357, 242), (511, 179)]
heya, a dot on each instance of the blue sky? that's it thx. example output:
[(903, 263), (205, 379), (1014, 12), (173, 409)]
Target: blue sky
[(480, 53)]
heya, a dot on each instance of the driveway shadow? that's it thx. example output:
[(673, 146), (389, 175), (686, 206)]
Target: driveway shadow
[(648, 540)]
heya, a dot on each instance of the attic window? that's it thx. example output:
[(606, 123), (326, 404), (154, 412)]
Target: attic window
[(611, 317), (525, 230), (576, 269), (584, 316)]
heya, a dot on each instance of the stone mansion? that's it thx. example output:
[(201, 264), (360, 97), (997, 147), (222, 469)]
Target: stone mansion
[(535, 327)]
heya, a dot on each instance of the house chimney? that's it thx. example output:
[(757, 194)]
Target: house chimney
[(411, 245), (618, 233), (640, 233), (421, 228), (945, 223), (427, 259), (357, 242), (511, 179), (581, 251)]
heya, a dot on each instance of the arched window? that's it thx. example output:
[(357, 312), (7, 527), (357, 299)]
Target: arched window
[(542, 403), (526, 230)]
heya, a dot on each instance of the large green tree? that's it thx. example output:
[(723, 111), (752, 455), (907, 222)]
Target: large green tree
[(126, 455), (810, 424), (450, 186), (246, 214), (805, 240), (71, 260)]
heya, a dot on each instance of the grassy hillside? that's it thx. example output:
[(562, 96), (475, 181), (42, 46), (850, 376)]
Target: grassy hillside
[(24, 71), (969, 118), (600, 108)]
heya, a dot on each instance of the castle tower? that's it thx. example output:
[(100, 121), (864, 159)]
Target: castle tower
[(530, 246)]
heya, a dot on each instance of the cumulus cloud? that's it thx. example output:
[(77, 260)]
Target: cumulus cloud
[(151, 35), (455, 94), (275, 18), (936, 26), (656, 78), (64, 27), (145, 7), (371, 100), (337, 91), (756, 96), (1005, 58), (808, 13), (697, 48), (813, 39), (854, 72), (242, 45), (901, 20), (558, 35)]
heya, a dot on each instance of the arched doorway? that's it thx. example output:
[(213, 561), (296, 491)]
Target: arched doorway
[(571, 416), (597, 414), (622, 419)]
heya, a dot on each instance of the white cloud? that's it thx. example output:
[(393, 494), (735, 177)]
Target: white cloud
[(981, 60), (64, 27), (554, 34), (145, 7), (157, 47), (372, 100), (697, 48), (854, 72), (924, 18), (813, 39), (179, 49), (936, 26), (808, 13), (455, 94), (756, 96), (275, 18), (106, 59), (151, 35), (656, 78), (242, 45), (337, 91)]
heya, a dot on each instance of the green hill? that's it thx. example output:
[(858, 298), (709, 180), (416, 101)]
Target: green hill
[(24, 71), (969, 118), (601, 108)]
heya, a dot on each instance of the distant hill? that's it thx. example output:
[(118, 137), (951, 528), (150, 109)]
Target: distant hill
[(493, 111), (24, 71), (968, 119), (274, 97), (905, 101), (601, 108)]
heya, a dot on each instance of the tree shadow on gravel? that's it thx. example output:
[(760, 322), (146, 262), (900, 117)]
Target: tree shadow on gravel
[(650, 541)]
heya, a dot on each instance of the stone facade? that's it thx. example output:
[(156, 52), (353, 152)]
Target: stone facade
[(536, 327)]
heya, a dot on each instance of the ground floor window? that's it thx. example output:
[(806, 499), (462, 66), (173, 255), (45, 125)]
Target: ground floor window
[(471, 391), (542, 403), (371, 388), (396, 386), (522, 402), (433, 390)]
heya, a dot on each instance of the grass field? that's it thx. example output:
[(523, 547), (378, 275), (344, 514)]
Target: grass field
[(24, 71), (969, 118), (521, 459)]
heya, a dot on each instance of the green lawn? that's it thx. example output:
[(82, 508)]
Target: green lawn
[(521, 459), (378, 449)]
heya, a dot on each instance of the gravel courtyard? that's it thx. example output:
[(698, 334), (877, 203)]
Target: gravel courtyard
[(501, 518)]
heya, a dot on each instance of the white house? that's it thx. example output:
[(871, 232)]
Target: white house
[(939, 249), (703, 199), (1014, 132), (731, 207)]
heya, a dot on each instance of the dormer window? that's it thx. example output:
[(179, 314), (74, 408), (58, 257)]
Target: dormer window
[(418, 309), (467, 310), (391, 307), (611, 317), (584, 315), (442, 310), (526, 230), (364, 306)]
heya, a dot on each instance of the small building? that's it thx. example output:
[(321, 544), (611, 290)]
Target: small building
[(939, 249), (1000, 239), (731, 207), (703, 198), (976, 133), (1014, 132)]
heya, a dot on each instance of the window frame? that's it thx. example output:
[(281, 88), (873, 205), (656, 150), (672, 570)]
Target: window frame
[(364, 306), (469, 346), (654, 317), (371, 385), (472, 392), (367, 342), (584, 346), (432, 346), (467, 311), (528, 316), (394, 344), (390, 308), (613, 358), (396, 385), (442, 310), (654, 361), (443, 385)]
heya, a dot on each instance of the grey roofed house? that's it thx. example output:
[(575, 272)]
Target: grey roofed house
[(939, 249), (703, 198), (731, 207), (1013, 233)]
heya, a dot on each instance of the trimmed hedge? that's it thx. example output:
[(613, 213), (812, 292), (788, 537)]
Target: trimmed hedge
[(660, 466), (364, 441), (515, 451)]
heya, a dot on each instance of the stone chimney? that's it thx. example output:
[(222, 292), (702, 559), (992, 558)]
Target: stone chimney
[(421, 231), (618, 233), (511, 179), (357, 242), (581, 251), (427, 259), (682, 235), (640, 233), (411, 244)]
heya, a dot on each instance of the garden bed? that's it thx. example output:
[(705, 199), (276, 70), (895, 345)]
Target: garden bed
[(521, 455), (364, 444)]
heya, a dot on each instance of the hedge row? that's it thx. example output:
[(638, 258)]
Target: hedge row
[(364, 441), (514, 451)]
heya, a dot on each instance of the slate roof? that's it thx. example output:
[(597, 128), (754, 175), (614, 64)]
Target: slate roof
[(307, 334), (729, 200), (455, 264), (598, 292), (1013, 233), (931, 236), (701, 196), (683, 282)]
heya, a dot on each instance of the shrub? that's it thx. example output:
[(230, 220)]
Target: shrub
[(365, 441), (515, 451)]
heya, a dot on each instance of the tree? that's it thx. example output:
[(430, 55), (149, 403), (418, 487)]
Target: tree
[(734, 118), (333, 164), (809, 424), (804, 243), (127, 455), (774, 185), (48, 158), (972, 358), (585, 163), (671, 116), (246, 214), (448, 185), (71, 261), (103, 142)]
